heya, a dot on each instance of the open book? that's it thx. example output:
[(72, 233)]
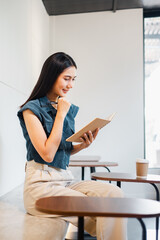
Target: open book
[(96, 123)]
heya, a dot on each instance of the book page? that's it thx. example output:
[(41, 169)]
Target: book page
[(96, 123)]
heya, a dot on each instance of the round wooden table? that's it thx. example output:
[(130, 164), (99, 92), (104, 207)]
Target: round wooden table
[(92, 165), (100, 207), (126, 177)]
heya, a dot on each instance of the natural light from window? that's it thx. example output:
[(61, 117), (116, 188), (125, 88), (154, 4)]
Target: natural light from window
[(152, 90)]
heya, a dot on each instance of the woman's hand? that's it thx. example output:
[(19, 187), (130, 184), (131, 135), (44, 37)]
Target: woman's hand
[(88, 138), (63, 106)]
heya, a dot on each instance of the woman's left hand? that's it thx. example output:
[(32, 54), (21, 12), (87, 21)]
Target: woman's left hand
[(88, 138)]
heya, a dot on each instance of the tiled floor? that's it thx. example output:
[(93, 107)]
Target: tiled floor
[(15, 224)]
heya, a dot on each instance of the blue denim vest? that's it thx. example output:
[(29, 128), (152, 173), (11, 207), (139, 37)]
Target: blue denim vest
[(43, 109)]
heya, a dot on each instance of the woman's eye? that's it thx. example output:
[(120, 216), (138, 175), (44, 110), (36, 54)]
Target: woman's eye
[(67, 79)]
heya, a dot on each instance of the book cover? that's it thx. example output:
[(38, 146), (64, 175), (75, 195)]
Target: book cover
[(96, 123)]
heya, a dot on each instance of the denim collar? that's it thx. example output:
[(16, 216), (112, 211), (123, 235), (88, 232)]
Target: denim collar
[(44, 101)]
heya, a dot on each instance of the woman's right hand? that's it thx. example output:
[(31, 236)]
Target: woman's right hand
[(63, 106)]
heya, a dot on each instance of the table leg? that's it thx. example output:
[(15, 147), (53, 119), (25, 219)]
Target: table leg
[(144, 231), (119, 184), (82, 173), (108, 169), (80, 228), (157, 218), (157, 191), (92, 169), (157, 227)]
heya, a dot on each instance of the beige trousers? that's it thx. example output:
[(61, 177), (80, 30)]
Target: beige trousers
[(43, 181)]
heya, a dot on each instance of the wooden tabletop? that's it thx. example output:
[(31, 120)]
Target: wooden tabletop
[(92, 164), (99, 206), (85, 158), (125, 177)]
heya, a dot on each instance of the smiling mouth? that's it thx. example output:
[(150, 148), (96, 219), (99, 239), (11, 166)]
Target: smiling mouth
[(65, 91)]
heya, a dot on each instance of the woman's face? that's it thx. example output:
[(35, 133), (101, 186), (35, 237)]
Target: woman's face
[(63, 84)]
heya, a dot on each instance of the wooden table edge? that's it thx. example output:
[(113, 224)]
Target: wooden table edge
[(140, 180), (81, 213)]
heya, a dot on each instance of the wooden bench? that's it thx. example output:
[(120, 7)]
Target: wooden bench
[(16, 224)]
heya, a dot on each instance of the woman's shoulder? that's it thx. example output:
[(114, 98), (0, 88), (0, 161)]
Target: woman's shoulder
[(74, 109), (33, 105)]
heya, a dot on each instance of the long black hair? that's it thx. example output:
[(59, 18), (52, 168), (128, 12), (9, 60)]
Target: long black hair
[(52, 68)]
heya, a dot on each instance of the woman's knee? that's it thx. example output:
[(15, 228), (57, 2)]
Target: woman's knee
[(108, 190), (116, 192)]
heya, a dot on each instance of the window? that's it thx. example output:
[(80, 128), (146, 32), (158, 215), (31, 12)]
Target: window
[(152, 89)]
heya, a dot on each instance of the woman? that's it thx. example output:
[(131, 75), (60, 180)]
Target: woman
[(47, 119)]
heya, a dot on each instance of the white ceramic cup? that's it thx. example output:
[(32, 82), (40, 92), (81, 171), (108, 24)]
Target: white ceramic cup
[(142, 167)]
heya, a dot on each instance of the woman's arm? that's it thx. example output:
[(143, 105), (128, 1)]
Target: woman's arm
[(46, 147), (87, 139)]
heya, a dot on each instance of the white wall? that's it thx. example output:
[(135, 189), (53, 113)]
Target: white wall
[(108, 49), (24, 45)]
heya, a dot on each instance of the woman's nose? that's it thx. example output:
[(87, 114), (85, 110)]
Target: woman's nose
[(70, 84)]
